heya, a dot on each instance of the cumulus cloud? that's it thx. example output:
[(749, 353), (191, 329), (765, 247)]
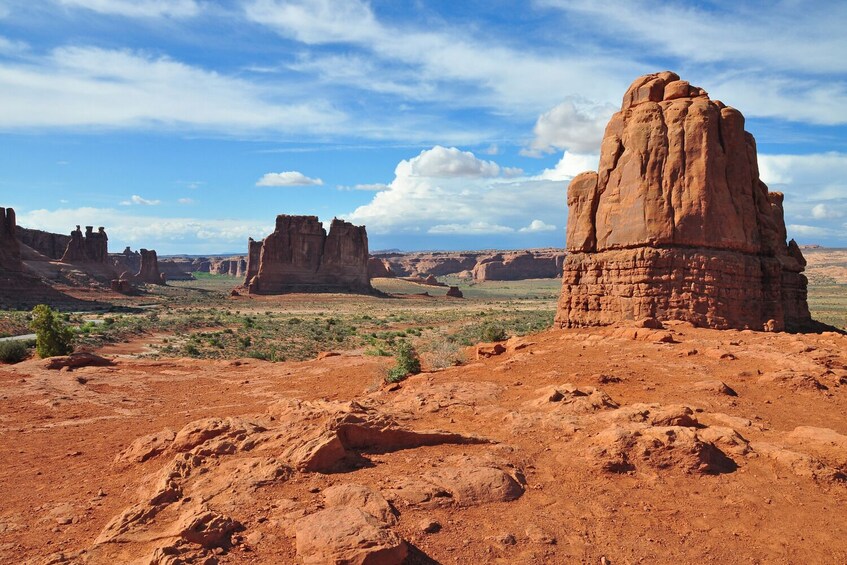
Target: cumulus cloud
[(570, 165), (824, 211), (138, 8), (166, 235), (578, 128), (536, 226), (460, 194), (139, 200), (288, 178)]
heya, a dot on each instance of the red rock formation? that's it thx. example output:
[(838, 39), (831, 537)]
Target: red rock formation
[(519, 265), (454, 292), (90, 248), (676, 223), (254, 254), (51, 245), (300, 256), (149, 272), (10, 249), (379, 268)]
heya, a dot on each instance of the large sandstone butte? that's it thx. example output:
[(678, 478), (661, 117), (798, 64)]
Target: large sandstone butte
[(676, 223), (299, 256), (10, 249), (92, 247)]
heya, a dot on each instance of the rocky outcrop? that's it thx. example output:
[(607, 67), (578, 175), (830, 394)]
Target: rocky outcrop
[(254, 254), (10, 249), (379, 268), (177, 268), (299, 256), (93, 247), (479, 265), (454, 292), (519, 265), (51, 245), (149, 271), (676, 223)]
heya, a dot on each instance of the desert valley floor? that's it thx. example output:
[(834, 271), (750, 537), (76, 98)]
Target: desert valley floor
[(613, 445)]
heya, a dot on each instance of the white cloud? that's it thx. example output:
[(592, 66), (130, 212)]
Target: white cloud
[(166, 235), (570, 165), (372, 187), (578, 128), (448, 162), (469, 228), (471, 201), (288, 178), (818, 176), (813, 231), (536, 226), (139, 200), (824, 211), (185, 201), (88, 86), (10, 46), (138, 8)]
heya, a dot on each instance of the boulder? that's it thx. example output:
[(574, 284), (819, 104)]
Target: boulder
[(454, 292), (675, 224)]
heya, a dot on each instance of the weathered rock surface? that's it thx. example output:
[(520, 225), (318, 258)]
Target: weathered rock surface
[(676, 223), (149, 269), (51, 245), (454, 292), (92, 247), (480, 265), (300, 256), (379, 268), (518, 266), (10, 250)]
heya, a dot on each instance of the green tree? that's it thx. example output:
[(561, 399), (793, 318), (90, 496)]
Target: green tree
[(52, 335)]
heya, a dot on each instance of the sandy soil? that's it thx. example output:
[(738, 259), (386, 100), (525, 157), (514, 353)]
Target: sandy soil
[(614, 466)]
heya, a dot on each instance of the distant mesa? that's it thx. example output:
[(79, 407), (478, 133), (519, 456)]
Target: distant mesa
[(478, 265), (299, 256), (676, 224)]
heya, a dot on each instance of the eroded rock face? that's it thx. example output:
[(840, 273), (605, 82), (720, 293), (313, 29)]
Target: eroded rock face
[(300, 256), (51, 245), (379, 268), (92, 247), (149, 272), (676, 223), (10, 249), (519, 266)]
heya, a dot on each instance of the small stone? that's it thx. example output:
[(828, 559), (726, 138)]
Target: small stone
[(429, 526)]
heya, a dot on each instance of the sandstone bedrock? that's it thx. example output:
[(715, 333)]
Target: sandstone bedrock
[(676, 224)]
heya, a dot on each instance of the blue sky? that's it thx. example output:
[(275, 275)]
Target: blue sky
[(187, 125)]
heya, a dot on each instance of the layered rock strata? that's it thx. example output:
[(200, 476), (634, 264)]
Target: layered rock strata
[(676, 223), (519, 265), (299, 256), (51, 245), (92, 247)]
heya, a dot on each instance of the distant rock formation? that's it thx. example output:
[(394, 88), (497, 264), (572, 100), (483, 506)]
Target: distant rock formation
[(10, 249), (519, 265), (480, 265), (454, 292), (299, 256), (676, 223), (379, 268), (51, 245), (149, 271), (92, 247)]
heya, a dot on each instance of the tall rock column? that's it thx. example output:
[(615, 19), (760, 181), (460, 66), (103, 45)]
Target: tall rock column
[(10, 249), (676, 224)]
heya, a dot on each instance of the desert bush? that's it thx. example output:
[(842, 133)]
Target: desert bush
[(52, 335), (442, 353), (491, 332), (408, 363), (13, 351)]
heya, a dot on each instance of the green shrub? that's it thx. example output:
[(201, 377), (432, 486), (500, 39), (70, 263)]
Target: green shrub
[(491, 332), (52, 335), (408, 363), (13, 351)]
